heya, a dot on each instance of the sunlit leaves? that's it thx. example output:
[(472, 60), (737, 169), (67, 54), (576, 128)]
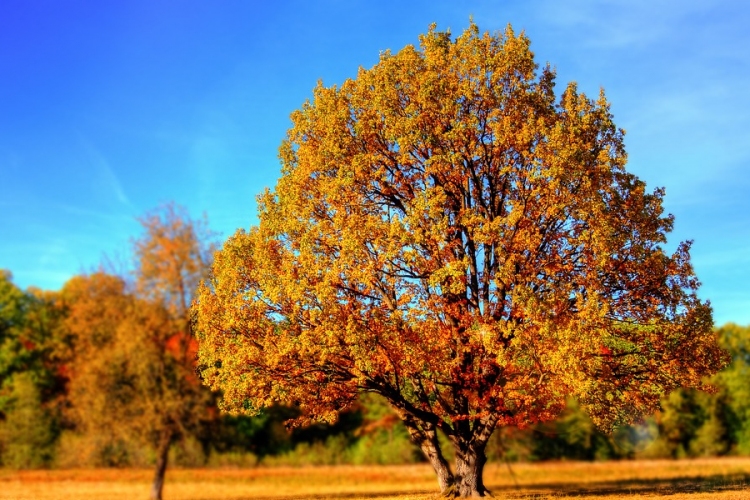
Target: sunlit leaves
[(448, 233)]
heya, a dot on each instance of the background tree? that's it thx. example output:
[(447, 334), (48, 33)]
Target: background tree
[(692, 423), (134, 367), (15, 354), (106, 405), (447, 234), (172, 257), (31, 382), (734, 385)]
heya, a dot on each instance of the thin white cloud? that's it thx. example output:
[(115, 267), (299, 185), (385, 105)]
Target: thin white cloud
[(104, 180)]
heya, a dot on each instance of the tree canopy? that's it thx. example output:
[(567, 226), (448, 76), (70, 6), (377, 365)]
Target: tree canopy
[(449, 234)]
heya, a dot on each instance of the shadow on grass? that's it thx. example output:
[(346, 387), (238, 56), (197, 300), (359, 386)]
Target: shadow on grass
[(625, 487), (621, 488)]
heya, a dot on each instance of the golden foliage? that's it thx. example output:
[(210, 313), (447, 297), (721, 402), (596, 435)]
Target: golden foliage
[(449, 234)]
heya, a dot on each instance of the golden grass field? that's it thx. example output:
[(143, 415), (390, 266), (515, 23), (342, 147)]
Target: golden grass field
[(727, 478)]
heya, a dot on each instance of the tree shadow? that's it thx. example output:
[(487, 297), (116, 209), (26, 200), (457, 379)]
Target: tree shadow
[(626, 487)]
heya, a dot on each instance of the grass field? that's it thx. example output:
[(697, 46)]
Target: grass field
[(674, 480)]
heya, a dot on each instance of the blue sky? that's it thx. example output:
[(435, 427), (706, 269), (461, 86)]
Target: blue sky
[(108, 109)]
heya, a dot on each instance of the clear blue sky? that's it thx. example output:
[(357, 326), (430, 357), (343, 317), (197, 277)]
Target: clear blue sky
[(108, 109)]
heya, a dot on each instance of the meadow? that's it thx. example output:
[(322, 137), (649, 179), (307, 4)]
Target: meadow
[(726, 478)]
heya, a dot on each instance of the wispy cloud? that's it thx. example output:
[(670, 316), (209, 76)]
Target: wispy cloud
[(104, 180)]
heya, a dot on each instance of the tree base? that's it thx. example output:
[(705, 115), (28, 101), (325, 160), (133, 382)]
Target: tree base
[(454, 491)]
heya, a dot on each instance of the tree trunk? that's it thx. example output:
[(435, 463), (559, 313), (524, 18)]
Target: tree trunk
[(469, 468), (470, 442), (425, 436), (162, 455), (431, 450)]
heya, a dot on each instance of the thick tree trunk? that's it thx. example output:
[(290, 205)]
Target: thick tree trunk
[(162, 455), (470, 443), (469, 468)]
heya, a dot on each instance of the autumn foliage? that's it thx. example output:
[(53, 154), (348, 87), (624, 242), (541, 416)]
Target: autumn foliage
[(132, 350), (449, 234)]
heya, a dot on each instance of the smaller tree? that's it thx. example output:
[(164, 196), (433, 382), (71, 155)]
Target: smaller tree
[(171, 258), (134, 368)]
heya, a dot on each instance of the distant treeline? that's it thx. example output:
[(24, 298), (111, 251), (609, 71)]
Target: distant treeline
[(102, 373)]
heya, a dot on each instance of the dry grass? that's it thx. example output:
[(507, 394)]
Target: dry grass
[(715, 479)]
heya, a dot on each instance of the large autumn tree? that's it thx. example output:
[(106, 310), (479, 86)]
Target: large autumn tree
[(449, 234)]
